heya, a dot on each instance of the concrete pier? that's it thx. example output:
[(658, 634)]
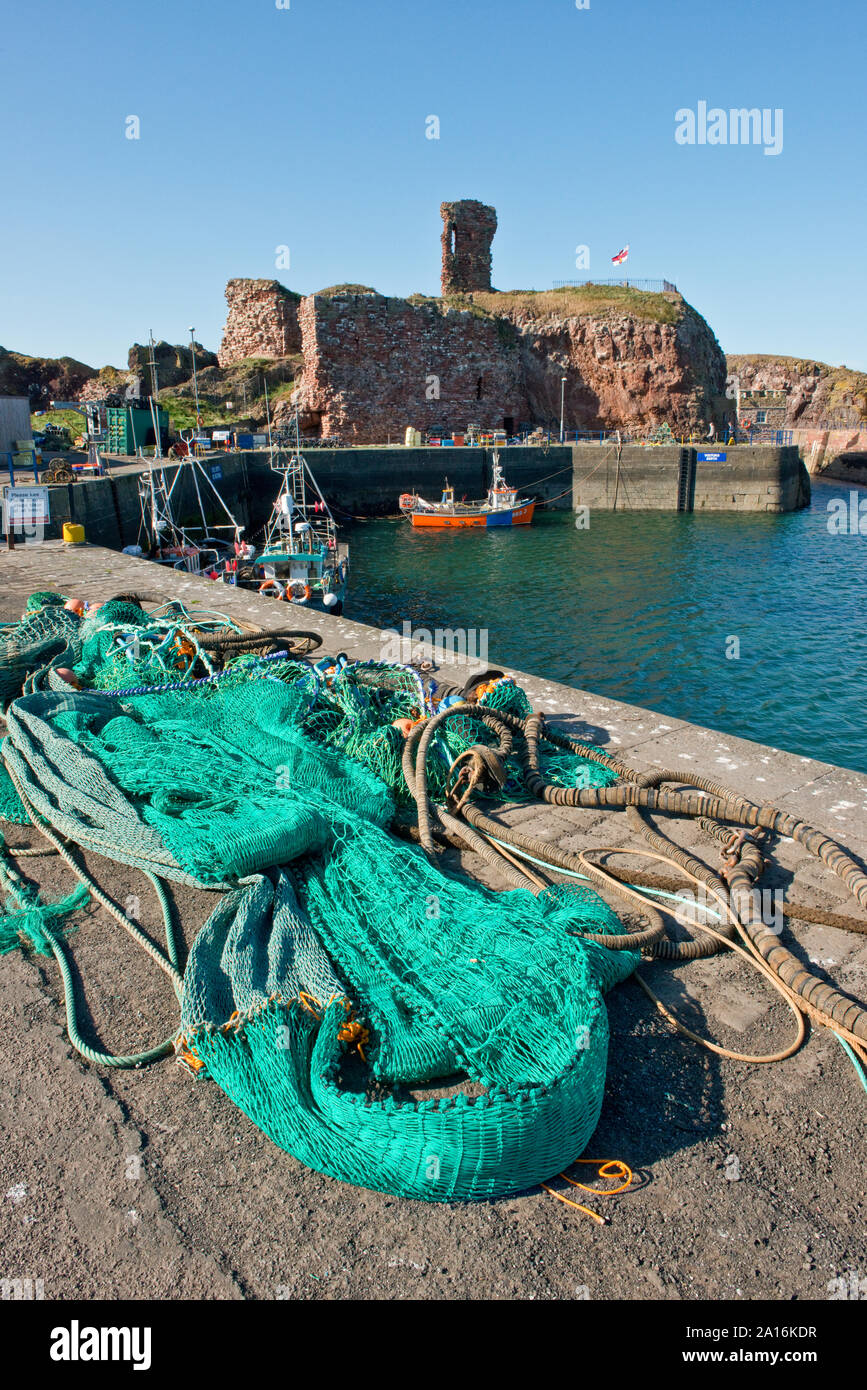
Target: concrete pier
[(751, 1177)]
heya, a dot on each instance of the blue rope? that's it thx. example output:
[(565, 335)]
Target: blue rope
[(859, 1070)]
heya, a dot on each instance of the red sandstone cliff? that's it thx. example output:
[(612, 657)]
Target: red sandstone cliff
[(799, 393), (373, 365)]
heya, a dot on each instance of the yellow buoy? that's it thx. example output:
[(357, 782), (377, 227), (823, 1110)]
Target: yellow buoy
[(73, 534)]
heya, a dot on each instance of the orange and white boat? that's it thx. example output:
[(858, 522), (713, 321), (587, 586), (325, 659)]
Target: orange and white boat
[(501, 507)]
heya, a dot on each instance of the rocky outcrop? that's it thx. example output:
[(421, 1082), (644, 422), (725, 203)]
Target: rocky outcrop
[(373, 365), (262, 321), (43, 379), (622, 370), (110, 385), (174, 363), (798, 393)]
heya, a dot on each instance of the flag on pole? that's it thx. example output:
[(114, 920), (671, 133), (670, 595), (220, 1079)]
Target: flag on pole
[(621, 256)]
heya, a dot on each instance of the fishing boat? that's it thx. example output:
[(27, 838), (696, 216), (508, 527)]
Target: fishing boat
[(191, 547), (501, 507), (301, 560)]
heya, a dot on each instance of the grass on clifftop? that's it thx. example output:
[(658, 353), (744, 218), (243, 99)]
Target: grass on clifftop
[(332, 291), (799, 366), (584, 299), (581, 299)]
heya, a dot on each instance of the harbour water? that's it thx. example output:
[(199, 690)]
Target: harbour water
[(753, 624)]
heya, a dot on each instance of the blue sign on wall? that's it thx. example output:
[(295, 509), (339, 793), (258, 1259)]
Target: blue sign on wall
[(216, 472), (711, 458)]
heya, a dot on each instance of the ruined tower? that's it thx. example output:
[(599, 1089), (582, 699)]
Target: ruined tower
[(468, 230)]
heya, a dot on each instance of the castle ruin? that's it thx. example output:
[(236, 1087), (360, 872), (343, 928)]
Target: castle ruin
[(468, 230)]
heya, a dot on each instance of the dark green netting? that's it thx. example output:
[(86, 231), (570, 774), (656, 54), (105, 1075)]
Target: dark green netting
[(201, 790), (43, 598), (48, 633), (11, 807), (342, 966), (336, 932)]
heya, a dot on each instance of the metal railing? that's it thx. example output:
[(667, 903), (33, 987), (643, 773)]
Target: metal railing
[(654, 286), (760, 434), (697, 439)]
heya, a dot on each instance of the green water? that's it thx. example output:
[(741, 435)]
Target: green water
[(643, 606)]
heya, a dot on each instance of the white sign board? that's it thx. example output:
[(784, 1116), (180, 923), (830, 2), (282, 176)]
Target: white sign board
[(25, 511)]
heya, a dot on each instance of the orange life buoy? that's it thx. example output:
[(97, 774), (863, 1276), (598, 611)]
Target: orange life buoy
[(298, 591), (276, 585)]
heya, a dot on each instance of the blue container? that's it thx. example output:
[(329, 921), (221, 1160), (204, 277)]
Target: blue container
[(244, 441)]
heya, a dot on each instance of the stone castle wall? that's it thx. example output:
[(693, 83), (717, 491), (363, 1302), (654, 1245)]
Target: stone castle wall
[(374, 364), (262, 321)]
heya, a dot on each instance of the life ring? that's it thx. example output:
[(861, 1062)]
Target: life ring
[(299, 592), (277, 585)]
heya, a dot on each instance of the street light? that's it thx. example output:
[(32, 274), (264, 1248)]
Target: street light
[(563, 381), (195, 378)]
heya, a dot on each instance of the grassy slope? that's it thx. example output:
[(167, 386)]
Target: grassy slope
[(74, 422), (585, 299), (582, 299)]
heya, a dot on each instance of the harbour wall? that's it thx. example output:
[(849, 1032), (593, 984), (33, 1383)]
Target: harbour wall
[(737, 478), (368, 481), (110, 508), (840, 454)]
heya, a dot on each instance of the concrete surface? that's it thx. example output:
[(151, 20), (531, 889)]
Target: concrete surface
[(147, 1185)]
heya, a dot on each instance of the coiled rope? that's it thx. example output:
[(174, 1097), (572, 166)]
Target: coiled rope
[(662, 792)]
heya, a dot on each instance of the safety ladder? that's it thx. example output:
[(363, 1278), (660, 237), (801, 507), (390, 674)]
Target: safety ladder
[(686, 480)]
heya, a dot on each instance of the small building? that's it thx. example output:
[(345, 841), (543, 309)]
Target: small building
[(763, 409), (14, 423)]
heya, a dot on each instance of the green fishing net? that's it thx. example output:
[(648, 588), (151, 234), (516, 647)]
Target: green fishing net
[(45, 633), (337, 941), (386, 1021)]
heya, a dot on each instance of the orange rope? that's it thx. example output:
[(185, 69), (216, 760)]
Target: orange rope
[(608, 1168)]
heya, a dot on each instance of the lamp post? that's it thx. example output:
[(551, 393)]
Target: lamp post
[(195, 378), (563, 380)]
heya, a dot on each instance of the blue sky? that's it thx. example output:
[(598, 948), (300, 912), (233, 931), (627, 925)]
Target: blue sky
[(305, 126)]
